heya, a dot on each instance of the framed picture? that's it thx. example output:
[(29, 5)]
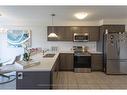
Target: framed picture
[(16, 38)]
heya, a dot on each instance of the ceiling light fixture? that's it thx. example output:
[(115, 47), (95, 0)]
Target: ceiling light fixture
[(52, 34), (81, 15)]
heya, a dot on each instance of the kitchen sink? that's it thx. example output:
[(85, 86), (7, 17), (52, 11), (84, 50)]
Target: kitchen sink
[(49, 55)]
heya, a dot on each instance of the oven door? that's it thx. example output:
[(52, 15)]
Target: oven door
[(82, 61)]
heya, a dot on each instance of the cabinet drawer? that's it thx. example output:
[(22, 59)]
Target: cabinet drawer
[(97, 62), (66, 61)]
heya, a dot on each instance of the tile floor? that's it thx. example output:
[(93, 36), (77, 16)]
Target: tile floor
[(94, 80)]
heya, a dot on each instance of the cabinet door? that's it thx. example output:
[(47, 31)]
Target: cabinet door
[(69, 61), (58, 30), (50, 30), (33, 80), (94, 33), (75, 29), (114, 28), (54, 77), (63, 64), (68, 33), (55, 73), (66, 61), (85, 29), (97, 62)]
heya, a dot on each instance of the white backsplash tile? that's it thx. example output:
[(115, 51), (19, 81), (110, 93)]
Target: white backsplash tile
[(66, 46)]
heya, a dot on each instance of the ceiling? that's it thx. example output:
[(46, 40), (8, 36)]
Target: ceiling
[(63, 13)]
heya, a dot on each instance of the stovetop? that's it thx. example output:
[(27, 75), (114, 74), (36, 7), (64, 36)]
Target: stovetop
[(82, 53)]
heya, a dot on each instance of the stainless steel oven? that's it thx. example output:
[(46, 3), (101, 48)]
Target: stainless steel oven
[(81, 37), (82, 61)]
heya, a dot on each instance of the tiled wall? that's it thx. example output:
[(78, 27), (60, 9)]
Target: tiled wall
[(65, 46)]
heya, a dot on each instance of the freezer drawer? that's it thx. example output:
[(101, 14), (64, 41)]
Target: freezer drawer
[(123, 67), (116, 67)]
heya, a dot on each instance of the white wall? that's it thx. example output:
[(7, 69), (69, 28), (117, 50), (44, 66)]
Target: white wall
[(39, 34), (6, 51), (39, 37)]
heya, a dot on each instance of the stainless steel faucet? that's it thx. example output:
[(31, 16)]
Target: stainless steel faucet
[(44, 51)]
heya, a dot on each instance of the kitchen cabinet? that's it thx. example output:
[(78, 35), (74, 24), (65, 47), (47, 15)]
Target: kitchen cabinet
[(114, 28), (33, 80), (66, 61), (109, 28), (94, 33), (58, 30), (66, 33), (85, 29), (75, 29), (97, 62), (54, 74)]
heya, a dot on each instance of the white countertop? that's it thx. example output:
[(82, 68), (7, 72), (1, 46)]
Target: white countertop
[(95, 52), (46, 64), (71, 51)]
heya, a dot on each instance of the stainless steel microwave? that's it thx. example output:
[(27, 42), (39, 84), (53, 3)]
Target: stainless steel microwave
[(81, 37)]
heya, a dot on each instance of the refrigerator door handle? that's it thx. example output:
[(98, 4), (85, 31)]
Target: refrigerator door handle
[(123, 60), (118, 47)]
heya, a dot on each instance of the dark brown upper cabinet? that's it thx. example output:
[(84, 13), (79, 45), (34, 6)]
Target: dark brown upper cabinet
[(75, 29), (66, 33), (93, 32), (113, 28), (59, 31)]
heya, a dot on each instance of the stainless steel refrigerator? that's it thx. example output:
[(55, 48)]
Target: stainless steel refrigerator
[(115, 52)]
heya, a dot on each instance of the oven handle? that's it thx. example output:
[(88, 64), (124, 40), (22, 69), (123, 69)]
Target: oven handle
[(83, 55)]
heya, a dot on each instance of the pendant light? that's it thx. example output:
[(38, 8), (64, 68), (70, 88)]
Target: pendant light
[(52, 34)]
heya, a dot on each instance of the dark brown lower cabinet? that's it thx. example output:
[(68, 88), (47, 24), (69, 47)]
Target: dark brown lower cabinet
[(66, 61), (97, 62), (54, 74)]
